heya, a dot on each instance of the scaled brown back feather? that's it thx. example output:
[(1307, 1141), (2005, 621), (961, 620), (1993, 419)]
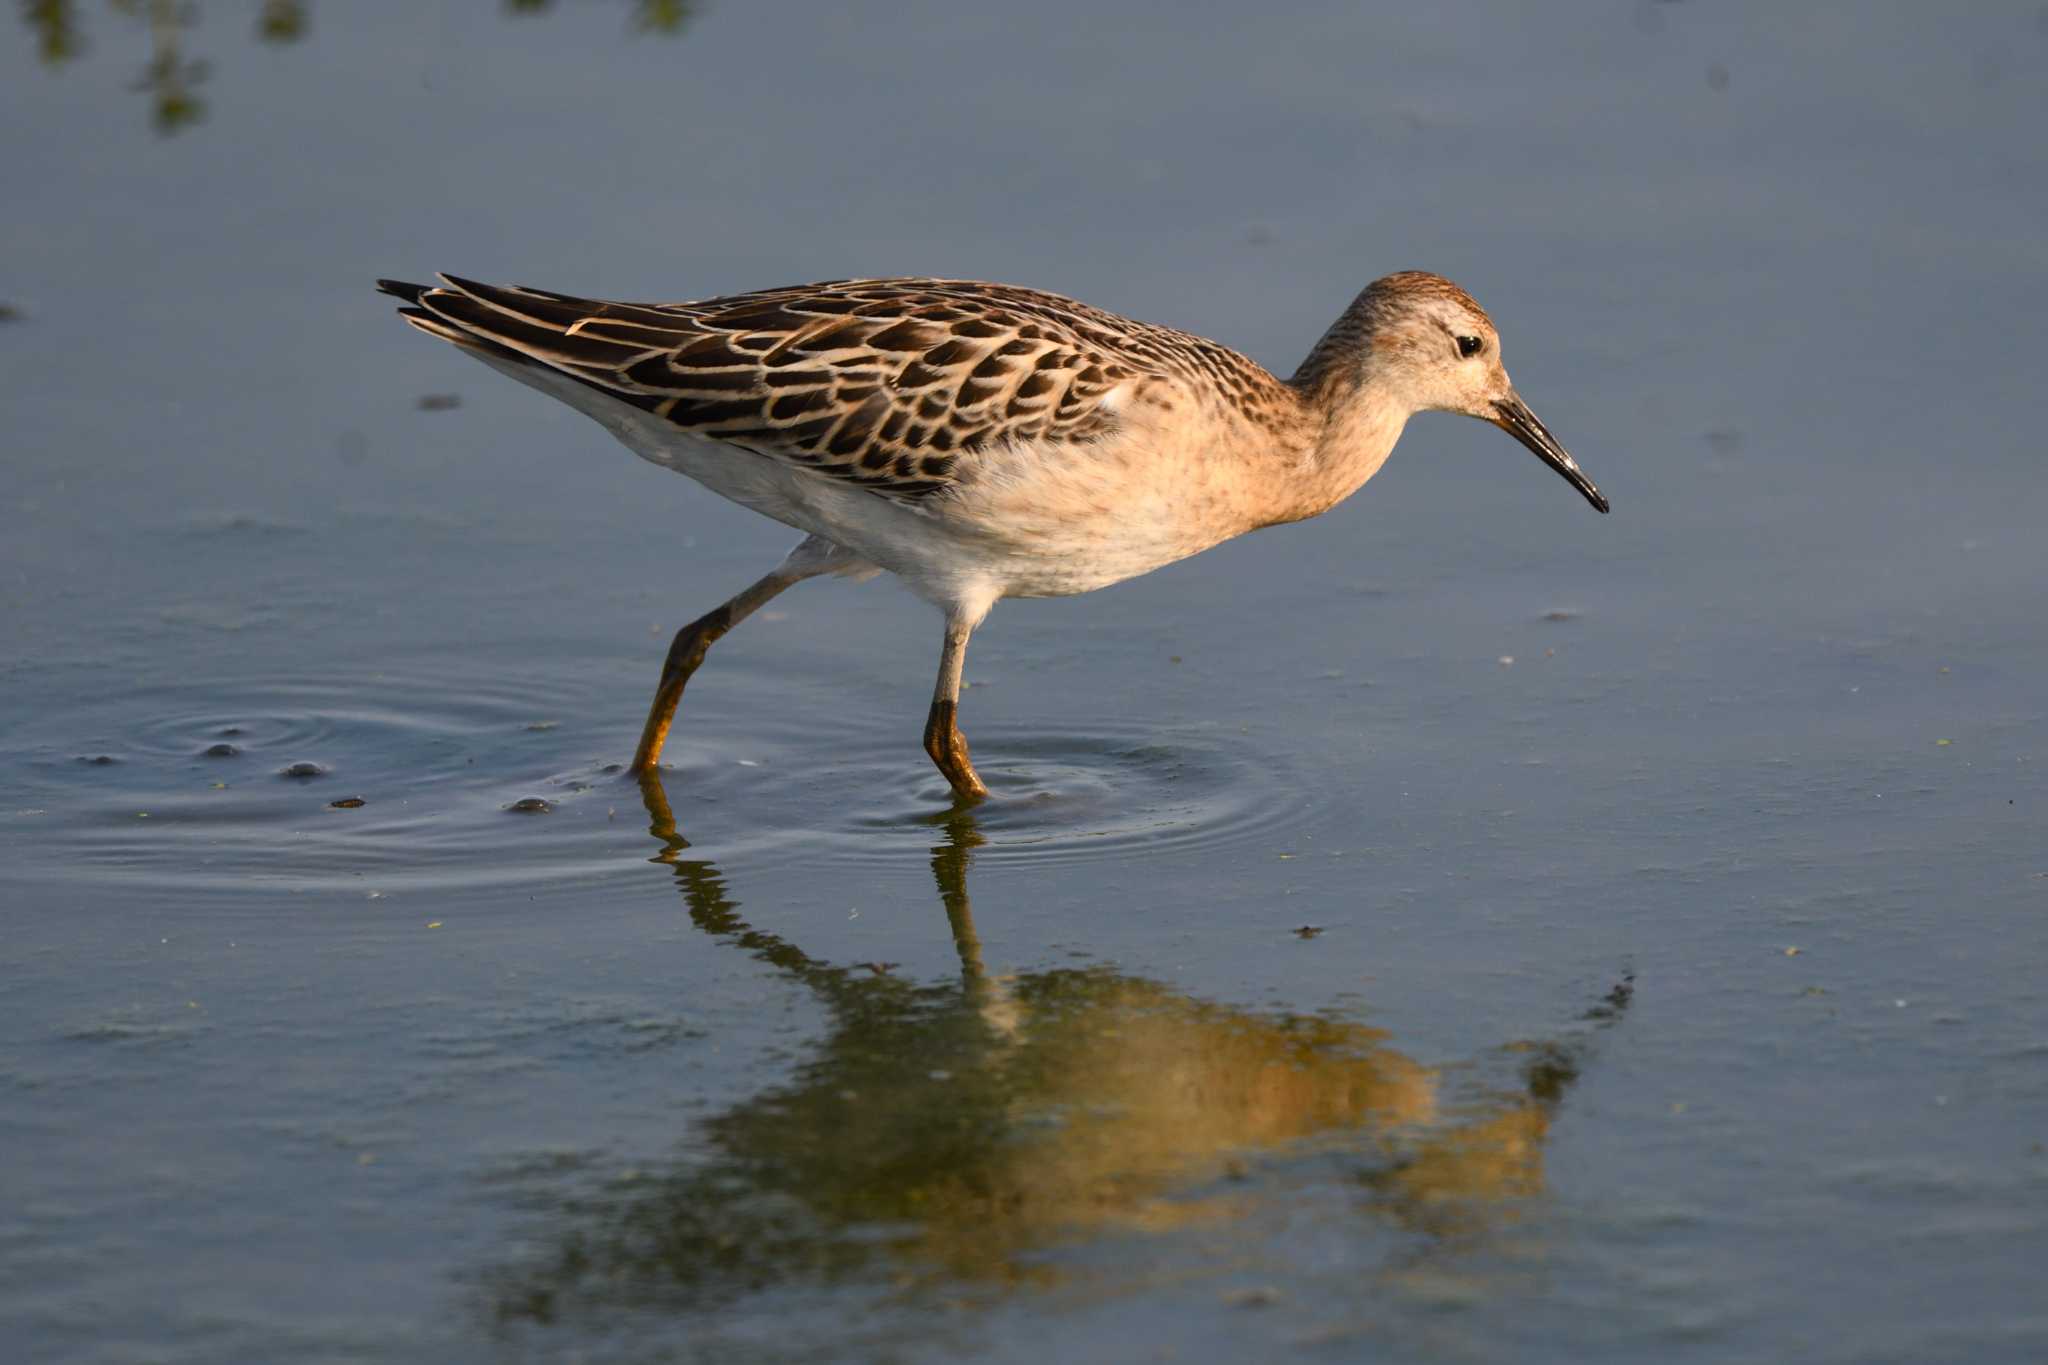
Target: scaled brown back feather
[(894, 384)]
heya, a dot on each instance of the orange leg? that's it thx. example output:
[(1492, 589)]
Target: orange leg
[(809, 559), (942, 737)]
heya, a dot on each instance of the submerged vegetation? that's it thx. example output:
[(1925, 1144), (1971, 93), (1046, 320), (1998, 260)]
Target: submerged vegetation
[(171, 73)]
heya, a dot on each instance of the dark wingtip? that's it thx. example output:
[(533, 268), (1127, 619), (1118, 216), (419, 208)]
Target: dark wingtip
[(400, 289)]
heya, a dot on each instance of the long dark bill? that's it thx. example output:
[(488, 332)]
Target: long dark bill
[(1512, 415)]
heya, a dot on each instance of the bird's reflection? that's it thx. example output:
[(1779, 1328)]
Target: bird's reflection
[(949, 1133)]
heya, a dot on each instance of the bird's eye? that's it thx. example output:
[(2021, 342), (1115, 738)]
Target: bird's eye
[(1469, 347)]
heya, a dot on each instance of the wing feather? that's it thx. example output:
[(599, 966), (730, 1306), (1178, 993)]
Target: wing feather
[(894, 384)]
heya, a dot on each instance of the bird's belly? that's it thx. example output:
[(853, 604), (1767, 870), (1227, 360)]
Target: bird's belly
[(765, 485), (1072, 520), (1030, 526), (1064, 566)]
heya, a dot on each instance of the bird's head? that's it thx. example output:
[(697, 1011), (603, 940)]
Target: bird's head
[(1424, 340)]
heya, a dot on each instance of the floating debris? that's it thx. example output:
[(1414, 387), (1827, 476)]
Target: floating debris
[(229, 731), (302, 769), (531, 805), (347, 803), (108, 760), (1562, 614), (439, 402), (222, 750), (1308, 931), (543, 725)]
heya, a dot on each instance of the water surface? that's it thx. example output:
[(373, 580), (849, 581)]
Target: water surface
[(1461, 927)]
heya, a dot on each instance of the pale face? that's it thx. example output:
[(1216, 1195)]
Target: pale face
[(1445, 357)]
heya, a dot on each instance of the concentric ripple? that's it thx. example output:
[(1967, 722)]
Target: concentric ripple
[(1064, 797), (398, 781), (429, 779)]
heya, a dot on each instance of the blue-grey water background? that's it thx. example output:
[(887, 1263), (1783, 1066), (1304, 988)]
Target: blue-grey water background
[(1462, 927)]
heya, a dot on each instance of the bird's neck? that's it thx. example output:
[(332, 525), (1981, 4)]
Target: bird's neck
[(1346, 429)]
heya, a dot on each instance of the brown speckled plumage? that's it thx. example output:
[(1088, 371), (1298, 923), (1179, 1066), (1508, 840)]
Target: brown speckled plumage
[(888, 383)]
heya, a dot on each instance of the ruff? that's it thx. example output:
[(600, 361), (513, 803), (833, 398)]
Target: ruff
[(982, 441)]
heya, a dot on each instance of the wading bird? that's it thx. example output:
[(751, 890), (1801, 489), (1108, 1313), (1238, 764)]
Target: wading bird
[(981, 441)]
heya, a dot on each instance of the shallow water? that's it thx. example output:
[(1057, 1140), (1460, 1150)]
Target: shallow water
[(1462, 927)]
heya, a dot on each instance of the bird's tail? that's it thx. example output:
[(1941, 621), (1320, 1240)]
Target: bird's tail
[(439, 324), (591, 341)]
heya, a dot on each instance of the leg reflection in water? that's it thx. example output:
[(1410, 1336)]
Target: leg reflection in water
[(952, 1134)]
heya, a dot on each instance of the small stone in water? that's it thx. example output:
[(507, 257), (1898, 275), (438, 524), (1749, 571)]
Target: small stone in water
[(303, 768), (108, 760), (531, 805), (221, 750), (347, 803)]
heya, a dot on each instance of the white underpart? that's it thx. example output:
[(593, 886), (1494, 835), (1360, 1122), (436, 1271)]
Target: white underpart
[(1020, 537)]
